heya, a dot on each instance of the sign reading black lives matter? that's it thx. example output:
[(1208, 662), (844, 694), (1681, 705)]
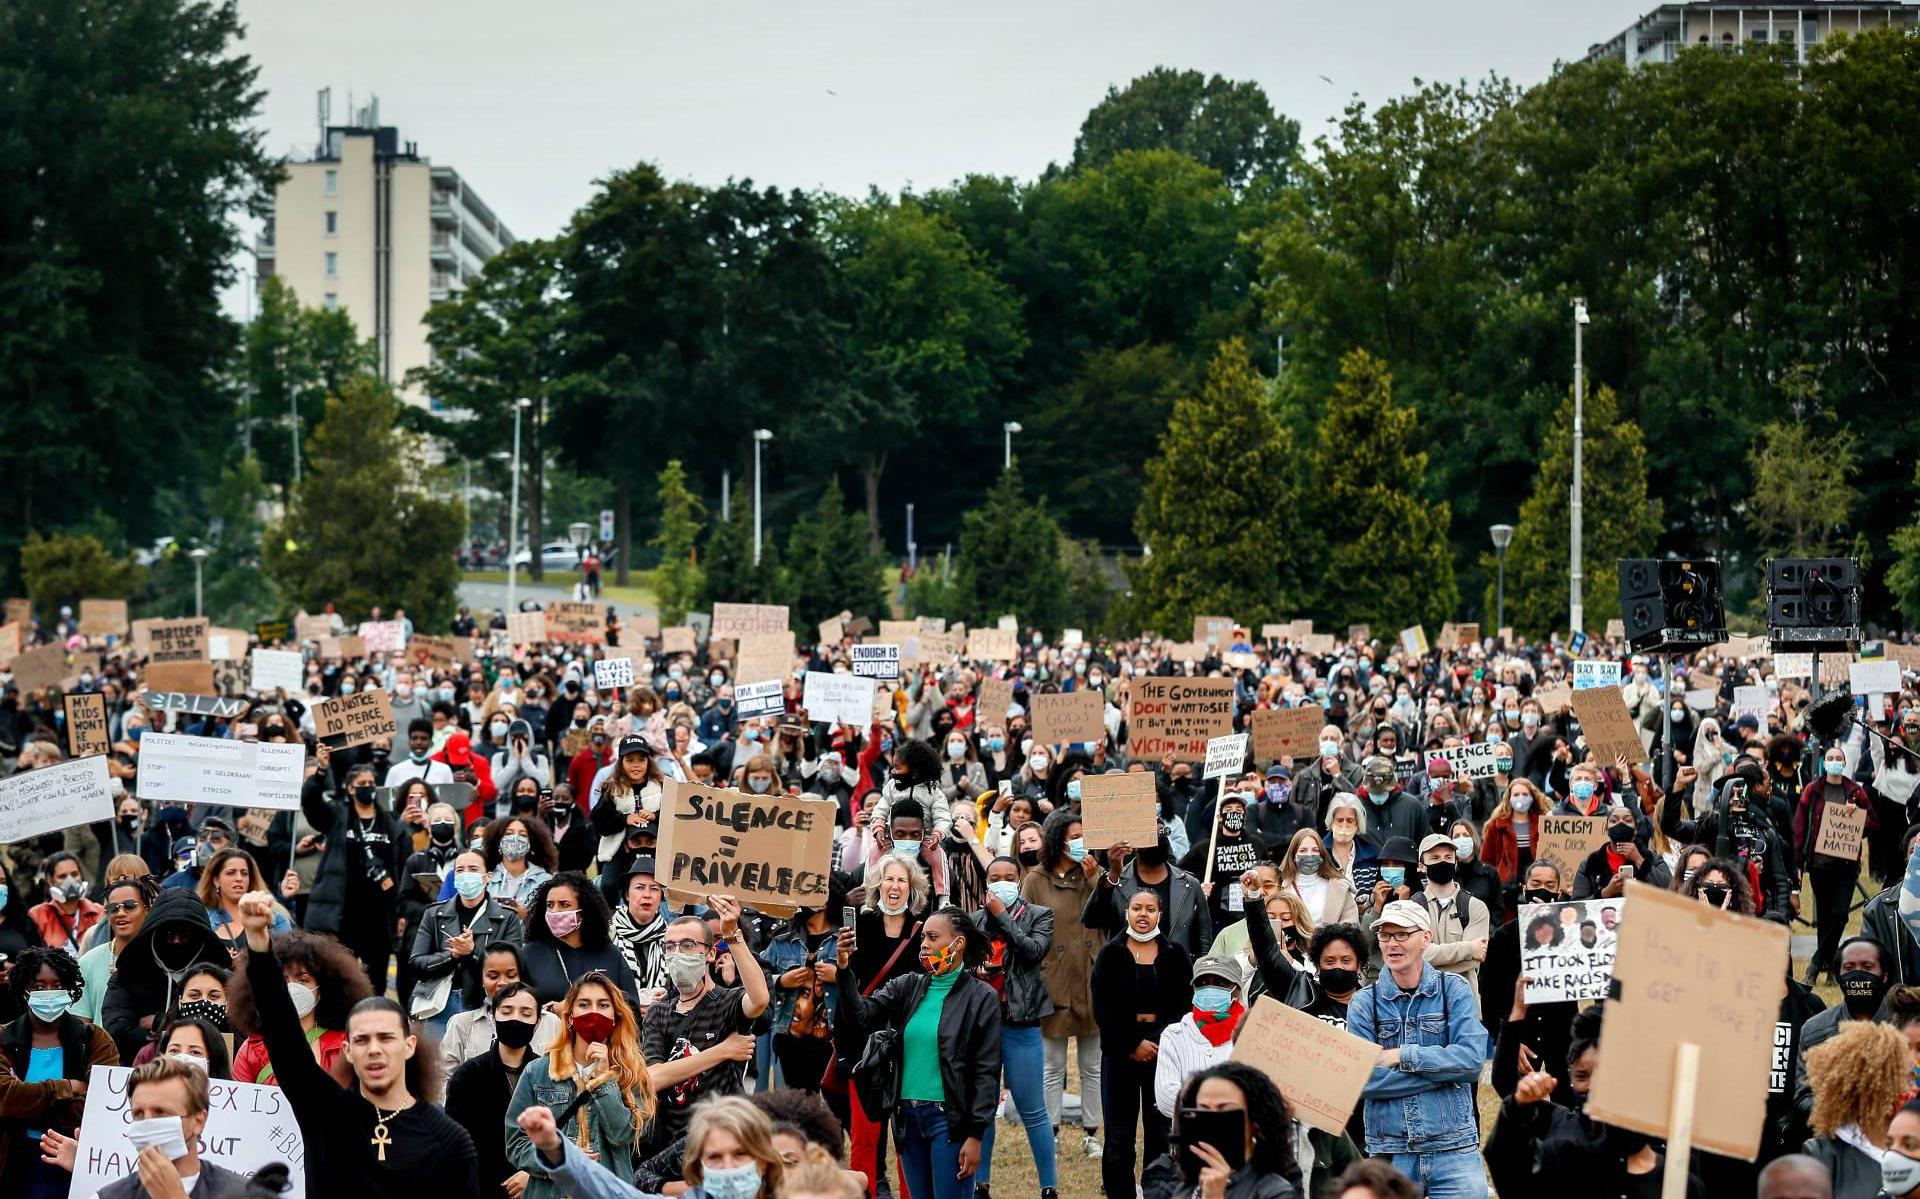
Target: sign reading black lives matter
[(1566, 949), (774, 852)]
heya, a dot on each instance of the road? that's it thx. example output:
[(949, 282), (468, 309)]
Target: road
[(480, 597)]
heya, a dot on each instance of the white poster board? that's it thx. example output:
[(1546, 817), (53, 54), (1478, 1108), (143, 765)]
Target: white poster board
[(1471, 762), (246, 774), (54, 797), (1753, 700), (1567, 949), (876, 661), (612, 672), (1793, 666), (281, 669), (1874, 678), (1588, 673), (248, 1126), (838, 698), (1225, 755)]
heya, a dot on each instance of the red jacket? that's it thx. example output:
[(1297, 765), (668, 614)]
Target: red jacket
[(54, 927), (458, 753), (1813, 803), (580, 774), (1500, 849)]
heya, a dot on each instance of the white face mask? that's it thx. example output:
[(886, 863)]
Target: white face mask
[(1522, 803), (168, 1133), (956, 750), (303, 998), (1037, 763), (892, 909), (1134, 934), (189, 1059)]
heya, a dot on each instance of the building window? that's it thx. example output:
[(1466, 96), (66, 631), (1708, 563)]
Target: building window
[(333, 182), (333, 223), (332, 301), (333, 264)]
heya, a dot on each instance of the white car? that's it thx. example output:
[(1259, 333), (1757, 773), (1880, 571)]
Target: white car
[(554, 555)]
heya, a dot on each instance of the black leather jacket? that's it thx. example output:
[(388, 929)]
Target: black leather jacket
[(969, 1040), (1029, 935)]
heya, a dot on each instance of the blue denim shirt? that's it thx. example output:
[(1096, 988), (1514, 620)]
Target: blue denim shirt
[(785, 952), (1424, 1104)]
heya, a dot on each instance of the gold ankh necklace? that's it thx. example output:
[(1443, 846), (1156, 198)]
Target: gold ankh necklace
[(382, 1136)]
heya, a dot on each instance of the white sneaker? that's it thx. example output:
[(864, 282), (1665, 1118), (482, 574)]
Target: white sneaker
[(1091, 1144)]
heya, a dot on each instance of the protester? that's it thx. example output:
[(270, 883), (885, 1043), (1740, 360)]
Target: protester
[(65, 916), (126, 907), (1261, 1166), (360, 869), (1203, 1036), (1142, 982), (322, 980), (568, 934), (1832, 878), (450, 948), (1863, 986), (1064, 886), (522, 857), (1860, 1076), (802, 961), (230, 874), (47, 1054), (700, 1014), (1019, 939), (197, 1038), (1185, 905), (152, 974), (167, 1104), (470, 1033), (1458, 923)]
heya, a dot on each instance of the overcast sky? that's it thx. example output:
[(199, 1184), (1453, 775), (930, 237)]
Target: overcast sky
[(532, 100)]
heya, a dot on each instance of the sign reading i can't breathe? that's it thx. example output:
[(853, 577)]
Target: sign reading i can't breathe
[(773, 852)]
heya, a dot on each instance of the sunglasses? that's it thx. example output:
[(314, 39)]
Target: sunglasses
[(124, 905)]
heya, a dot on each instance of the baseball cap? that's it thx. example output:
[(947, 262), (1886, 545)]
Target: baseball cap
[(632, 744), (1404, 913), (1277, 771), (1219, 966), (1434, 841), (1439, 768)]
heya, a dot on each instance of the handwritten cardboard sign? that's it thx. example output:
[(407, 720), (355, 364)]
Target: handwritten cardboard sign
[(313, 628), (1213, 630), (358, 719), (40, 667), (19, 612), (1841, 835), (86, 724), (993, 645), (1471, 762), (103, 617), (677, 639), (51, 798), (1869, 678), (1318, 645), (246, 774), (738, 620), (1117, 808), (249, 1125), (577, 622), (1466, 635), (943, 645), (832, 631), (764, 656), (526, 628), (1275, 632), (11, 636), (1616, 629), (1068, 717), (1567, 949), (1288, 732), (194, 678), (609, 673), (1607, 725), (773, 852), (996, 699), (1320, 1069), (876, 661), (1554, 700), (177, 640), (1691, 973), (384, 636), (1567, 840), (437, 652), (838, 698), (1178, 715)]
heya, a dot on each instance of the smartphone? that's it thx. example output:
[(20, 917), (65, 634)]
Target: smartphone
[(847, 915), (1225, 1131), (1626, 871)]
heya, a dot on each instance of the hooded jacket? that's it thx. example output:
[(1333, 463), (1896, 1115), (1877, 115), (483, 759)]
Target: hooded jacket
[(147, 975), (345, 856)]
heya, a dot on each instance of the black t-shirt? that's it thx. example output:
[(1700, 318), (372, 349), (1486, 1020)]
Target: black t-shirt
[(1331, 1011), (670, 1034)]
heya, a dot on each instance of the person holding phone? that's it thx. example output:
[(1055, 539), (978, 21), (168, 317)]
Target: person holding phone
[(1232, 1138), (358, 880)]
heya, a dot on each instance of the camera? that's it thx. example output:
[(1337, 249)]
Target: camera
[(377, 872)]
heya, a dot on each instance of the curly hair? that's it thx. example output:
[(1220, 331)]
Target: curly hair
[(26, 973), (809, 1115), (540, 848), (1327, 934), (1736, 876), (1903, 1007), (594, 916), (1539, 922), (342, 981), (1379, 1179), (1267, 1114), (919, 759), (1858, 1077), (1053, 836)]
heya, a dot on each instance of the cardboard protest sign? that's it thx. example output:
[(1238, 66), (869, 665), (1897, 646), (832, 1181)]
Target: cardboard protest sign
[(993, 645), (677, 639), (1185, 651), (40, 667), (1178, 715), (1753, 700), (1609, 729), (885, 705), (194, 678), (1590, 673), (1225, 756), (838, 698), (774, 852), (996, 697), (177, 640), (898, 632), (609, 673), (249, 1125), (1359, 634), (931, 624), (103, 617), (1319, 645), (1841, 835), (1908, 656), (1467, 634), (764, 656), (437, 652), (226, 645), (1212, 630), (1072, 637), (1447, 639), (832, 631), (1414, 641), (1616, 628), (226, 706), (873, 661), (19, 612), (313, 628), (51, 798), (1506, 634), (576, 622), (278, 669), (1319, 1068), (1690, 973), (246, 774), (1242, 659), (1116, 808), (1068, 717), (1566, 949), (526, 628), (383, 636), (1008, 623), (1288, 732), (1274, 632), (942, 646), (1554, 700), (10, 642), (1567, 840), (758, 699), (1470, 762), (1869, 678), (86, 724), (739, 620)]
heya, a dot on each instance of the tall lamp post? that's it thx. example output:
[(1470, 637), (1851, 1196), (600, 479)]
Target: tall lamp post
[(1009, 429), (1502, 538), (1575, 618), (513, 509), (760, 438), (199, 555)]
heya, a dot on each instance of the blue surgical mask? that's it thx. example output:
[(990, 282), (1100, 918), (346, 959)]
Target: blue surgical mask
[(996, 744), (1073, 790), (1393, 876), (1329, 749), (49, 1005), (1005, 891), (905, 849), (4, 896), (1214, 1000), (1835, 769), (1077, 849), (469, 883), (1584, 788), (737, 1182), (347, 688)]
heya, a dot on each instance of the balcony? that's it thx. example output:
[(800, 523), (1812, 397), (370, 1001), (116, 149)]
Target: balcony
[(440, 248)]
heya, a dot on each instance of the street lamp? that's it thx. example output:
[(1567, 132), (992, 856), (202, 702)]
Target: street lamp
[(199, 555), (513, 508), (1009, 429), (1574, 617), (913, 556), (760, 438), (1502, 538)]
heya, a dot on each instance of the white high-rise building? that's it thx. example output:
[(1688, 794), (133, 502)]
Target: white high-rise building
[(1661, 34)]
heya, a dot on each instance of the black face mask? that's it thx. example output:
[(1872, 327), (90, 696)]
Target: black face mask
[(1716, 893), (514, 1034), (1029, 857), (1338, 980), (443, 831), (1442, 872), (1620, 834), (1542, 895), (363, 795), (1863, 992), (205, 1009)]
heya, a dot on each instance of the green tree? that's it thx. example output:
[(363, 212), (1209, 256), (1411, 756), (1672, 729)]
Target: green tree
[(1225, 124), (1220, 515), (727, 572), (237, 593), (1803, 489), (829, 568), (1388, 564), (931, 591), (1618, 519), (1903, 576), (1009, 559), (63, 570), (360, 530), (131, 140), (293, 358), (677, 581)]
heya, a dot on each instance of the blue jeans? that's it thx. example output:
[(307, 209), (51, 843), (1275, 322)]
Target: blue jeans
[(1452, 1174), (1022, 1065), (927, 1158)]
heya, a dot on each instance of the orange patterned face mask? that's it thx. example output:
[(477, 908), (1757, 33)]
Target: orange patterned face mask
[(941, 961)]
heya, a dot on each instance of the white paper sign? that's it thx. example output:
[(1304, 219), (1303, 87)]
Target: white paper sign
[(278, 668), (1009, 624), (1225, 755), (1072, 637), (612, 672), (384, 636), (760, 699), (1588, 674), (54, 797), (876, 661), (1567, 949), (220, 647), (246, 774), (1793, 666), (1705, 699), (1754, 699), (1874, 678), (248, 1126), (838, 698), (1471, 762)]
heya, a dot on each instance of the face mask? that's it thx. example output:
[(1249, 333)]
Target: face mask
[(1522, 802), (941, 961), (1233, 822), (1094, 680), (73, 890), (1393, 876), (1716, 893), (1835, 769), (1898, 1172), (304, 998), (515, 1034), (1028, 672), (1619, 834), (906, 848), (1307, 863), (1861, 990), (1277, 793), (1531, 720), (187, 1059), (417, 756), (1512, 714), (892, 909), (468, 884), (1212, 1000), (1338, 980), (1037, 763), (206, 1009), (996, 744), (49, 1005), (1028, 858), (1329, 749), (1005, 891), (1464, 847), (443, 831), (593, 1027), (166, 1133), (956, 750), (514, 848), (1378, 795), (1503, 762), (1679, 714), (562, 923), (446, 695), (1583, 789), (1077, 849), (1343, 836), (759, 785), (1073, 790), (735, 1182), (1441, 872), (1541, 895), (1134, 934), (687, 970)]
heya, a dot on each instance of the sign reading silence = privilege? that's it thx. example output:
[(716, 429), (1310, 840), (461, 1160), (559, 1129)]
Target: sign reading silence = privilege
[(775, 852)]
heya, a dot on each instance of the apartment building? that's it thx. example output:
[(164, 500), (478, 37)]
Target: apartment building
[(1663, 33)]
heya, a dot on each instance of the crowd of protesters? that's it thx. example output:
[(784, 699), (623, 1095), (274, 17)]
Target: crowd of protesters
[(459, 961)]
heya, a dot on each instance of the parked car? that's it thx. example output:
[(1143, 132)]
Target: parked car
[(561, 556)]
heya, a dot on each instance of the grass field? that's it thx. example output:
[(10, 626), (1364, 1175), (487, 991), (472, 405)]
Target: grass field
[(640, 593)]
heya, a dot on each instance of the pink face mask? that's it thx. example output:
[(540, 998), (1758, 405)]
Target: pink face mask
[(562, 923)]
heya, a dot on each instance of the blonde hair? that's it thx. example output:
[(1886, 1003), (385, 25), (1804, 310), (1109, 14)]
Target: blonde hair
[(623, 1051), (1858, 1077), (1302, 919), (1347, 801), (124, 866), (918, 886), (819, 1177), (750, 1127)]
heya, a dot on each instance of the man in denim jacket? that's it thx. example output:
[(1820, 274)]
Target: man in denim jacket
[(1419, 1102)]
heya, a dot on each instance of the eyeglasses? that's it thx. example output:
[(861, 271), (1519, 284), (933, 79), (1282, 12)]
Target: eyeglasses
[(1399, 938), (683, 946), (124, 905)]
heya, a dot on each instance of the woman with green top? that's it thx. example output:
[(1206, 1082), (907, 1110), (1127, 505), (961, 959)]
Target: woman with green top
[(948, 1022)]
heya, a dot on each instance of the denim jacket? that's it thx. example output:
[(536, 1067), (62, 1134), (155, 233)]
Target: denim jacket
[(1424, 1104), (785, 952)]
